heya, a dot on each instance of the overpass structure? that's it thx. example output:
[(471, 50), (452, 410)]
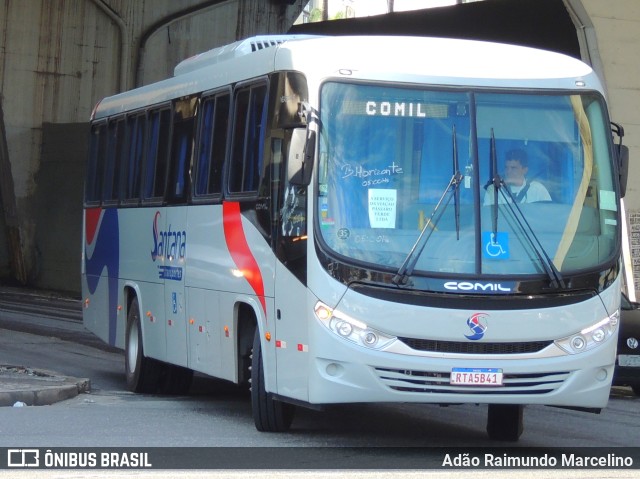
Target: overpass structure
[(59, 57)]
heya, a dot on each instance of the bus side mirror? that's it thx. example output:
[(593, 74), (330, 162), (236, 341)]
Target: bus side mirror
[(300, 158), (623, 162)]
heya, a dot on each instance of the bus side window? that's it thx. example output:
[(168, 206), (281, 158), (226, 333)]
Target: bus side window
[(157, 155), (133, 159), (247, 153), (219, 150), (181, 149), (212, 145), (205, 143), (293, 200), (115, 153), (95, 166)]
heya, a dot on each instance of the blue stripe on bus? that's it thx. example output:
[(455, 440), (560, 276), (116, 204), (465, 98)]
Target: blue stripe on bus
[(106, 255)]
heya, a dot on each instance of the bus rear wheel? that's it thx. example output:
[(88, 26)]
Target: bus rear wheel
[(143, 374), (269, 414), (505, 422)]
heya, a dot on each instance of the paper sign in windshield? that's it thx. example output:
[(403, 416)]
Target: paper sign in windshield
[(382, 208)]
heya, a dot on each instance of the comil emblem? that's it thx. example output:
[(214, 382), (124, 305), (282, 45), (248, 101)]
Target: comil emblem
[(477, 325)]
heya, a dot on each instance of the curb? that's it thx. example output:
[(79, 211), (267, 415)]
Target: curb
[(37, 387)]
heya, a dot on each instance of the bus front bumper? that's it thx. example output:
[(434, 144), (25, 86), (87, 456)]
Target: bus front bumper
[(349, 373)]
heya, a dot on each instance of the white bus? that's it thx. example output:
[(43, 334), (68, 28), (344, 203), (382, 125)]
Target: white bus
[(342, 220)]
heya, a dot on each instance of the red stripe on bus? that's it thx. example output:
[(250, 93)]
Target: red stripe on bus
[(240, 251), (91, 219)]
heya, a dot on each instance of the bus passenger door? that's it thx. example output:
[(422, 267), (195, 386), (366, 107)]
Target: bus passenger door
[(291, 278)]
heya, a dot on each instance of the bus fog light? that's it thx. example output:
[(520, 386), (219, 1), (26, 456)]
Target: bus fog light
[(334, 369)]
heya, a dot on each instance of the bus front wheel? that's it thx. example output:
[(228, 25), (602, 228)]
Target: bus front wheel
[(505, 422), (143, 374), (269, 414)]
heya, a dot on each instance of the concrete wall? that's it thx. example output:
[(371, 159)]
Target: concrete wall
[(57, 59), (5, 271), (51, 70), (58, 202)]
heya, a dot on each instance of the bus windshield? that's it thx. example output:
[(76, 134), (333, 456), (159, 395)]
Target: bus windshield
[(513, 183)]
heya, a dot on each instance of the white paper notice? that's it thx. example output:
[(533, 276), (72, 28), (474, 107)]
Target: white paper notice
[(382, 208)]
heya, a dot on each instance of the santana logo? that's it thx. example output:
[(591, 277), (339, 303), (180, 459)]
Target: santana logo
[(167, 243), (477, 327)]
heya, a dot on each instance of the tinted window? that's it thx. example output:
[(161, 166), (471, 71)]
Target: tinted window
[(157, 154), (212, 148), (115, 146), (95, 166), (247, 150), (131, 170), (182, 136)]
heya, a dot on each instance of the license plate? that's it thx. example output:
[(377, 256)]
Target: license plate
[(476, 377), (629, 360)]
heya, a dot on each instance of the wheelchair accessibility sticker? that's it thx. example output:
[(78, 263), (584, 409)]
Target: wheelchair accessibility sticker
[(495, 245)]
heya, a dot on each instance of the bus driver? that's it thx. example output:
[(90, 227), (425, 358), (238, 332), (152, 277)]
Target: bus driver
[(523, 191)]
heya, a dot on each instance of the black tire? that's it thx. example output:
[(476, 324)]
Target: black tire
[(269, 415), (636, 389), (176, 380), (143, 374), (505, 422)]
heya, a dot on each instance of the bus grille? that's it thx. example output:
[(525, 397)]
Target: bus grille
[(470, 347), (438, 383)]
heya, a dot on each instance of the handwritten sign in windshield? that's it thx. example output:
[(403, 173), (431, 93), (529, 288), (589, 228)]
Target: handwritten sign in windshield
[(371, 176)]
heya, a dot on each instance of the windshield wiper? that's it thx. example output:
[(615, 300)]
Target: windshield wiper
[(497, 182), (547, 263), (409, 263), (458, 178)]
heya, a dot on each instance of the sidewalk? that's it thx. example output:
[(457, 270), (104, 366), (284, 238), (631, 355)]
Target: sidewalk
[(20, 386), (48, 314)]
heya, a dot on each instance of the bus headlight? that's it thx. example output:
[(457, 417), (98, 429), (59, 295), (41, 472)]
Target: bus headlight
[(591, 336), (351, 329)]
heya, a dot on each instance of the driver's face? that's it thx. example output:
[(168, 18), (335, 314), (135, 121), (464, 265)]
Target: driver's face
[(514, 172)]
